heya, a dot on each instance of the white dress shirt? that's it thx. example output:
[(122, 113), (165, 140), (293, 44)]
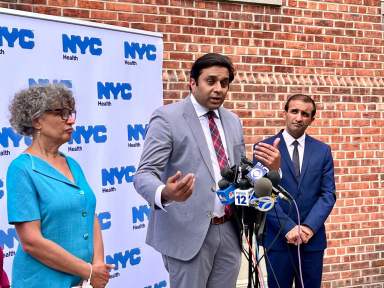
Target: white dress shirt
[(201, 111), (289, 142)]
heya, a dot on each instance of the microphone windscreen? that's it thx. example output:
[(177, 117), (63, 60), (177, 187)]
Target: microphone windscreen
[(262, 187), (244, 184), (228, 174), (223, 184), (274, 177), (246, 161)]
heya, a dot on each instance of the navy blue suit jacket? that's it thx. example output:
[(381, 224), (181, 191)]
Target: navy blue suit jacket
[(314, 193)]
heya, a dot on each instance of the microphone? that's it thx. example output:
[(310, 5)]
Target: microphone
[(227, 185), (223, 183), (243, 193), (274, 177), (263, 187), (253, 172), (226, 192), (277, 189), (262, 198), (258, 197), (229, 173)]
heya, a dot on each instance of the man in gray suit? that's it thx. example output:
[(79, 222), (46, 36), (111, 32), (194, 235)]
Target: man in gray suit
[(186, 146)]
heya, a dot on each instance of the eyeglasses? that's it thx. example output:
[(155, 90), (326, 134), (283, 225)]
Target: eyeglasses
[(64, 113)]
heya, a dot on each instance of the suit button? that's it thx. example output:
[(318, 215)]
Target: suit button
[(81, 192), (85, 236), (84, 213)]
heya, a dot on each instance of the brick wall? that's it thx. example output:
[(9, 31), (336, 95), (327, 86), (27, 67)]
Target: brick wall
[(331, 49)]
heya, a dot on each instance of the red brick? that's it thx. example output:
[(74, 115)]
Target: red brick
[(193, 13), (130, 17), (143, 26), (21, 7), (76, 13), (62, 3), (170, 11), (33, 2), (99, 5), (181, 20), (155, 19), (167, 28), (105, 15), (118, 7), (145, 9), (47, 10)]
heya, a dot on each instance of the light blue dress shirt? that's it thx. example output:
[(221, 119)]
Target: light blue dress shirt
[(38, 191)]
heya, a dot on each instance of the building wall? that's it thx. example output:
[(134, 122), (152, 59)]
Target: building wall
[(332, 50)]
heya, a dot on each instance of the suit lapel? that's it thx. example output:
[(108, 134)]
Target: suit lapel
[(308, 152), (285, 156), (193, 122)]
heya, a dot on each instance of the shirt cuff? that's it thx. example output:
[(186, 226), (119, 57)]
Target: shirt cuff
[(158, 198)]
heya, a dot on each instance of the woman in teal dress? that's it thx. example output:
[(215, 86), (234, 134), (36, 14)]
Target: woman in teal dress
[(49, 200)]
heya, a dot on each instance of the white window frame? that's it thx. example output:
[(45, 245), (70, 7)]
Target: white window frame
[(266, 2)]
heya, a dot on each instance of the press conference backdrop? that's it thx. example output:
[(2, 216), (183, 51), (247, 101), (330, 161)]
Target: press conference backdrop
[(115, 75)]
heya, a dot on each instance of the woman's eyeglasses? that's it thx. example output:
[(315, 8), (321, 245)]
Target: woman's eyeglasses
[(64, 113)]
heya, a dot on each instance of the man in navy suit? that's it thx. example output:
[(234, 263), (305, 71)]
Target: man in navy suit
[(308, 175)]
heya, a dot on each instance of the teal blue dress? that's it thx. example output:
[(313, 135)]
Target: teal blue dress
[(38, 191)]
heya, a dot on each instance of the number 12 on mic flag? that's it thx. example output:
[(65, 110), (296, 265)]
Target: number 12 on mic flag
[(242, 197)]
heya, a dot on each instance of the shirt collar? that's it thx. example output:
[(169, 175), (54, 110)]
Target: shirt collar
[(43, 167), (200, 109), (289, 139)]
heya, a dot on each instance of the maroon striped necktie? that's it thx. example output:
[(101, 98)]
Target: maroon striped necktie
[(219, 149), (216, 139)]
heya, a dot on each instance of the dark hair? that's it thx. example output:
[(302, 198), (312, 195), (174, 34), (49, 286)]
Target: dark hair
[(304, 98), (209, 60)]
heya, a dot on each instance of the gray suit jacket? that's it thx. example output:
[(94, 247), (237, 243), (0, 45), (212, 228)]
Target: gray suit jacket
[(175, 141)]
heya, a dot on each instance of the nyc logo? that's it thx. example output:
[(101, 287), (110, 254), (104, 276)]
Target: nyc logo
[(134, 50), (8, 238), (9, 138), (75, 44), (104, 220), (137, 132), (110, 90), (162, 284), (140, 214), (121, 259), (87, 134), (1, 189), (11, 36), (125, 173), (43, 82)]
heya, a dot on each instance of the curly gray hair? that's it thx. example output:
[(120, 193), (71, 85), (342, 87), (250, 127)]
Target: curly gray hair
[(31, 103)]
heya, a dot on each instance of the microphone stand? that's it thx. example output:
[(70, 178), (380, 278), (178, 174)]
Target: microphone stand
[(250, 215), (250, 262), (254, 222)]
